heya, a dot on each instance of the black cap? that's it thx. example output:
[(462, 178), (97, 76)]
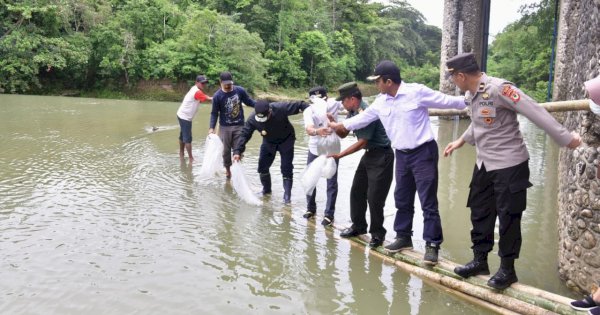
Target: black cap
[(201, 79), (318, 91), (346, 90), (226, 77), (387, 68), (464, 62), (261, 110)]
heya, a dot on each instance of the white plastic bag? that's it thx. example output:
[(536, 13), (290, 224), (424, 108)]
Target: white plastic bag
[(329, 168), (213, 156), (331, 143), (240, 184), (312, 173)]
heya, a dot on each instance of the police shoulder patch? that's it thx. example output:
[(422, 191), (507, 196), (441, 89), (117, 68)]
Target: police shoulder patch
[(511, 93)]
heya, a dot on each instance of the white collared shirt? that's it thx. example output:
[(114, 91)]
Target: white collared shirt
[(405, 116)]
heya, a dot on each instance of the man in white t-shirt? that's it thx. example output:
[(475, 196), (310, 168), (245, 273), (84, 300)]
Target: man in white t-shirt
[(186, 112), (316, 128)]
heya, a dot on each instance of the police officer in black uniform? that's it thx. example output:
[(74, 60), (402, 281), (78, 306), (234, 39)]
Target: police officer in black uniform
[(272, 122)]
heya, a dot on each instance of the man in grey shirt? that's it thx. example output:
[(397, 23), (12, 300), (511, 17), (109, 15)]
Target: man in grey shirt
[(501, 175)]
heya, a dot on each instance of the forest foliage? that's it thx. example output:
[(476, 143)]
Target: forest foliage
[(99, 44), (50, 45)]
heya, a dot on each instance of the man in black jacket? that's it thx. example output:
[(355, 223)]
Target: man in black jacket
[(272, 122)]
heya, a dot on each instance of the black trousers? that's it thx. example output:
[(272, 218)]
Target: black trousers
[(371, 184), (499, 193)]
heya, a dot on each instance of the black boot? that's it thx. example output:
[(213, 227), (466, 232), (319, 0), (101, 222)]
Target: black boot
[(505, 276), (477, 266), (265, 180), (287, 189)]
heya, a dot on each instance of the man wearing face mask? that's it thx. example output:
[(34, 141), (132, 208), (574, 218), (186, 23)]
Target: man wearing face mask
[(272, 122), (227, 109)]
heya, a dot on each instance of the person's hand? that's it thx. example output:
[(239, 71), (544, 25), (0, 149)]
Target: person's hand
[(237, 157), (330, 117), (323, 132), (456, 144), (334, 125), (575, 142), (211, 130), (335, 156)]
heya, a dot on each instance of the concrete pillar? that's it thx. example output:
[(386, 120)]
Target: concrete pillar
[(577, 60), (455, 11)]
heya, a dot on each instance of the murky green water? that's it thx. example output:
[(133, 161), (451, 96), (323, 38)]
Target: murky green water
[(98, 216)]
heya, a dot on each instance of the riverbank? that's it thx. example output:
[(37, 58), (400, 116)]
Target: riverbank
[(173, 92)]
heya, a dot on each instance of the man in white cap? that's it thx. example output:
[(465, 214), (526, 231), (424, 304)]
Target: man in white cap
[(316, 128)]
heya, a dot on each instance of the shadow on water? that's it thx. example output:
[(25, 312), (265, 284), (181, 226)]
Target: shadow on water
[(99, 216)]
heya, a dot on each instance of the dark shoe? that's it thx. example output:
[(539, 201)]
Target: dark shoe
[(308, 214), (584, 304), (473, 268), (594, 311), (403, 242), (477, 266), (375, 242), (503, 279), (431, 254), (327, 220), (351, 232)]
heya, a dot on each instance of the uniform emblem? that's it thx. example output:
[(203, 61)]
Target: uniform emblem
[(481, 87), (511, 93), (485, 96), (488, 120), (264, 133), (487, 112)]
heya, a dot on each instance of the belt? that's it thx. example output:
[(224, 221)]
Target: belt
[(408, 151), (378, 148)]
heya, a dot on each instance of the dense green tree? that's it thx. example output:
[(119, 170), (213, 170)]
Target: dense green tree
[(100, 44), (521, 53), (284, 68)]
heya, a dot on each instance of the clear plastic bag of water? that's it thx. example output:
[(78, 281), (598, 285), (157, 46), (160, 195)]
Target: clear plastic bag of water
[(213, 156), (240, 184)]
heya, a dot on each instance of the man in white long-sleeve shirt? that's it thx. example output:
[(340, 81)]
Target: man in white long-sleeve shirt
[(403, 110)]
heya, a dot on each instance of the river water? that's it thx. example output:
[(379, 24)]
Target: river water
[(98, 216)]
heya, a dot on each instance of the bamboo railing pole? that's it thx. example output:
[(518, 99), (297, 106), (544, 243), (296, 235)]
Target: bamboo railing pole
[(563, 106)]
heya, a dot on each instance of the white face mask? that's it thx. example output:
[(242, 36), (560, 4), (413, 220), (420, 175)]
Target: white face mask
[(595, 108)]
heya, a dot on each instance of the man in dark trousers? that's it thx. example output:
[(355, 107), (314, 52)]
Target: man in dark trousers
[(402, 108), (501, 174), (374, 173), (227, 109), (272, 122)]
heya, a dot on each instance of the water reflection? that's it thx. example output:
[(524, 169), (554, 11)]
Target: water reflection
[(98, 215)]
